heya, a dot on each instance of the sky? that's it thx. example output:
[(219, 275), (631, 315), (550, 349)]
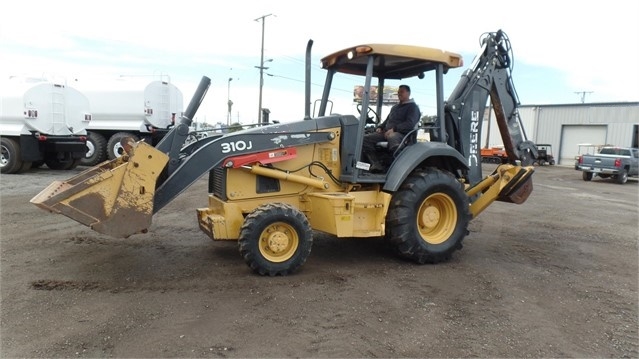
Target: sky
[(564, 51)]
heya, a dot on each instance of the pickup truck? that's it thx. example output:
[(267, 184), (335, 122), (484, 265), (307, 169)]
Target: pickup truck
[(611, 162)]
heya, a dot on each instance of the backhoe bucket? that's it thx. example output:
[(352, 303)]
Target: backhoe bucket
[(114, 198), (518, 188)]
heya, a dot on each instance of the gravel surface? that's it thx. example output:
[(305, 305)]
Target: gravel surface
[(554, 277)]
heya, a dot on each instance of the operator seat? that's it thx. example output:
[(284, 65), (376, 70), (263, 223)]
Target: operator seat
[(409, 139)]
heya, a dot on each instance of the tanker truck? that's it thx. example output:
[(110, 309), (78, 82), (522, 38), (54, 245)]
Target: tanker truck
[(128, 108), (42, 121)]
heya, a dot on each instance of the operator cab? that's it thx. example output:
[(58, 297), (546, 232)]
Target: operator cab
[(390, 65)]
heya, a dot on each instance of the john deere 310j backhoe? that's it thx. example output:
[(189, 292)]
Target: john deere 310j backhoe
[(272, 186)]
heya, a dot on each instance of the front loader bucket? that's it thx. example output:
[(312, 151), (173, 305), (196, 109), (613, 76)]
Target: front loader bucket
[(114, 198)]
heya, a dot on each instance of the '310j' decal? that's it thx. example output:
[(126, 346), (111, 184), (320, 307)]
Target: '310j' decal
[(236, 146)]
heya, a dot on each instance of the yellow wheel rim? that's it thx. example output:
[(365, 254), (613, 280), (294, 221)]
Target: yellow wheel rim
[(278, 242), (436, 218)]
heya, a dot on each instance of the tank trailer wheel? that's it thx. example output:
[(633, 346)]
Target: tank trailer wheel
[(75, 163), (275, 239), (428, 217), (60, 165), (10, 157), (114, 148), (97, 150)]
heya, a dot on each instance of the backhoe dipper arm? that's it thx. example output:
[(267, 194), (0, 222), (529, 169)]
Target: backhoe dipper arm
[(488, 75)]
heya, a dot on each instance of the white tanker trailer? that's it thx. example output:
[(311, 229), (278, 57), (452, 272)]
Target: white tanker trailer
[(41, 121), (128, 107)]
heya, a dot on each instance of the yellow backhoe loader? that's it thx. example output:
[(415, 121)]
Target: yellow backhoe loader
[(272, 186)]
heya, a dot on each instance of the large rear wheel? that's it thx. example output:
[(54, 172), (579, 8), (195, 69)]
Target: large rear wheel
[(11, 157), (62, 164), (114, 147), (275, 239), (428, 216), (587, 176), (96, 153)]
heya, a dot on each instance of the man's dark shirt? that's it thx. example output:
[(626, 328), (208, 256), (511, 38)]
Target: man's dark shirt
[(402, 117)]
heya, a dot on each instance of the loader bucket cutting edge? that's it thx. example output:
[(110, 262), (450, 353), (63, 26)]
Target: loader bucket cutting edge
[(114, 198)]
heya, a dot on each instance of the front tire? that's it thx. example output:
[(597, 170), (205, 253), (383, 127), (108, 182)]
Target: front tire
[(428, 216), (275, 239)]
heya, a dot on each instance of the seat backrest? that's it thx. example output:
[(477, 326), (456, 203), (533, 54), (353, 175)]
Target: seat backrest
[(409, 139)]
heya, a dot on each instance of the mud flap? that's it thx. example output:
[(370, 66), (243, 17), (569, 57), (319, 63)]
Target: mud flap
[(114, 198)]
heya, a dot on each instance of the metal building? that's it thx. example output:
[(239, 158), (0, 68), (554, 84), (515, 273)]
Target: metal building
[(566, 126)]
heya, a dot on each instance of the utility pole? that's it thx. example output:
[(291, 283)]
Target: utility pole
[(583, 95), (262, 68), (229, 103)]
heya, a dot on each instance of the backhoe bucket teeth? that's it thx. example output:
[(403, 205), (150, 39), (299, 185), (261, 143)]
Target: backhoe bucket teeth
[(114, 198)]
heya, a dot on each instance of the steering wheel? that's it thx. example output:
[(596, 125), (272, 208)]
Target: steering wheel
[(369, 118)]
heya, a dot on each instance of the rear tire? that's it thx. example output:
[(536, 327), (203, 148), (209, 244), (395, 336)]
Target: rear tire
[(622, 177), (428, 216), (60, 165), (25, 167), (97, 146), (75, 164), (587, 176), (114, 148), (275, 239), (10, 157)]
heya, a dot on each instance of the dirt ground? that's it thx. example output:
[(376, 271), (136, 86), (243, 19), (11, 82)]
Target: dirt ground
[(554, 277)]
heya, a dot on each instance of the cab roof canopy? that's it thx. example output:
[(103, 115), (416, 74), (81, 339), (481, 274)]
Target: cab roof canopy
[(391, 61)]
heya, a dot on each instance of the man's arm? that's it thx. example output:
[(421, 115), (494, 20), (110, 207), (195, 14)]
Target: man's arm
[(412, 117), (382, 125)]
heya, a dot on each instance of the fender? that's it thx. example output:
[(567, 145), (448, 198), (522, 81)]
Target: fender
[(412, 156)]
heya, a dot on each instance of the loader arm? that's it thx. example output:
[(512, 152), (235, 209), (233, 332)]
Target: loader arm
[(212, 154)]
